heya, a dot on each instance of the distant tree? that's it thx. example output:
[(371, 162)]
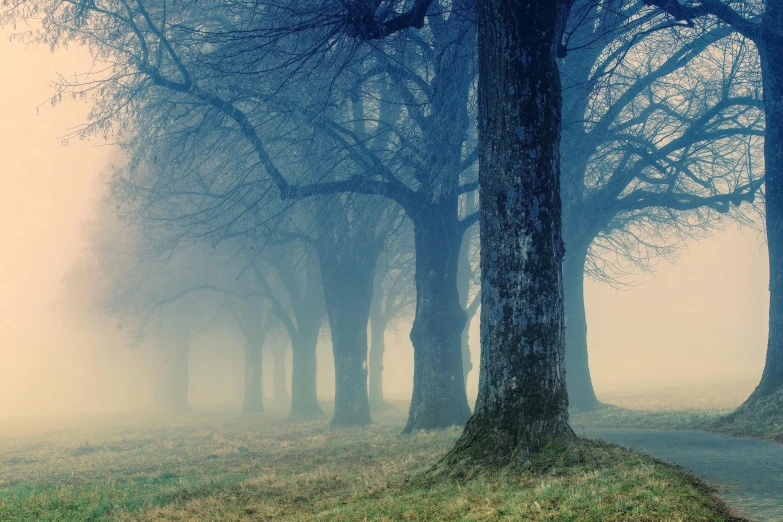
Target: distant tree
[(278, 349), (762, 24), (220, 62), (394, 298), (255, 322), (661, 143)]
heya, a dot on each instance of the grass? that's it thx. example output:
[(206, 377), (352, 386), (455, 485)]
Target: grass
[(718, 408), (220, 467), (761, 419), (609, 416)]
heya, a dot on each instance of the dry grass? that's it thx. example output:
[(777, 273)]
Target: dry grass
[(222, 467)]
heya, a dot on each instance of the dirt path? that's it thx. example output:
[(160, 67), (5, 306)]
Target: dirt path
[(748, 474)]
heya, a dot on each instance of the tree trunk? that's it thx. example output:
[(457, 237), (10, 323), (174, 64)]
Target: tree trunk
[(771, 53), (173, 385), (581, 396), (467, 364), (279, 374), (347, 272), (522, 403), (377, 347), (253, 398), (464, 278), (439, 398), (304, 376)]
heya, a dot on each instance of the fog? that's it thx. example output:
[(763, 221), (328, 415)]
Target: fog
[(700, 319)]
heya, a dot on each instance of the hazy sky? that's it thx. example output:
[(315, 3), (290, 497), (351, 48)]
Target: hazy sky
[(704, 317)]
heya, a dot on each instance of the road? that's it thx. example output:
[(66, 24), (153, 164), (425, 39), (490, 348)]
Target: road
[(747, 473)]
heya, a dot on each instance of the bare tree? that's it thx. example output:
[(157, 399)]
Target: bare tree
[(661, 143), (762, 24)]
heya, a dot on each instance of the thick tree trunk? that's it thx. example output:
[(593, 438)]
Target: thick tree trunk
[(279, 374), (377, 347), (771, 51), (173, 385), (304, 375), (439, 398), (347, 272), (253, 398), (581, 396), (522, 403)]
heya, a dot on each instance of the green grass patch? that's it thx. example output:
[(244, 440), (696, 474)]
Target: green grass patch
[(265, 468)]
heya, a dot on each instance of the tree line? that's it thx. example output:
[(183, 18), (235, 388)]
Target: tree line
[(295, 164)]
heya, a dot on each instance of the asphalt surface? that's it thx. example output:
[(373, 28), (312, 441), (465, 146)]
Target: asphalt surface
[(747, 473)]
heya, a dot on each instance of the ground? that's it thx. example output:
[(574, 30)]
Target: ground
[(228, 467), (699, 406), (762, 419)]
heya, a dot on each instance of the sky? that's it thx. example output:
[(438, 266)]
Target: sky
[(701, 319)]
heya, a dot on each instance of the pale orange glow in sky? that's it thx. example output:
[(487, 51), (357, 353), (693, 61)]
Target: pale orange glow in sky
[(705, 317)]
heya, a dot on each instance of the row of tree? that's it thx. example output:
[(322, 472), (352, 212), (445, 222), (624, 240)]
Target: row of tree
[(307, 144)]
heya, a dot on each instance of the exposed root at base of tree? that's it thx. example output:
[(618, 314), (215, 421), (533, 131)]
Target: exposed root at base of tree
[(483, 446)]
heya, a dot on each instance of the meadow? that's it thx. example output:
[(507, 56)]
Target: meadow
[(219, 466)]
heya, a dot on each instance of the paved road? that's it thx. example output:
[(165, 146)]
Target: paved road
[(748, 474)]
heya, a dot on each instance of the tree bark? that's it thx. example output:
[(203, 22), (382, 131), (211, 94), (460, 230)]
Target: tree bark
[(522, 404), (347, 272), (175, 378), (771, 54), (581, 396), (439, 398)]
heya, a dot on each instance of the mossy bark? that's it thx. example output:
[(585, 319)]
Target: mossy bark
[(522, 404)]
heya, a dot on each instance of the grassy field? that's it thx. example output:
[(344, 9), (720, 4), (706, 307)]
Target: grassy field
[(224, 467), (701, 406)]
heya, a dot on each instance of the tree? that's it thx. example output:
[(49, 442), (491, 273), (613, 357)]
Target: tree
[(661, 143), (255, 323), (394, 296), (199, 61), (469, 278), (522, 403), (764, 28), (278, 350)]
